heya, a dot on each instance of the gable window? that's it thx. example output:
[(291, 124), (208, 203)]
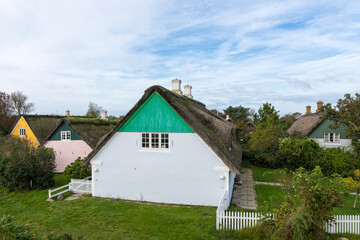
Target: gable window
[(22, 132), (65, 135), (155, 140), (332, 137)]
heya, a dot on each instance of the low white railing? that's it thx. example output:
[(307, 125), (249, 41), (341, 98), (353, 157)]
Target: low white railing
[(81, 185), (228, 220), (75, 186), (57, 189)]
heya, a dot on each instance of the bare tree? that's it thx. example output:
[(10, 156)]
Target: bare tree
[(20, 103), (7, 117)]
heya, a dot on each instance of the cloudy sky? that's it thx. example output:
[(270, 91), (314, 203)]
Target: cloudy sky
[(63, 54)]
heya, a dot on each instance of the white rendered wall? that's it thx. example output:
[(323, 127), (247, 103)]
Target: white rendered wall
[(185, 174), (343, 143)]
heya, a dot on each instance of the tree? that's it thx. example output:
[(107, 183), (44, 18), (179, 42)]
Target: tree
[(20, 103), (239, 113), (289, 119), (266, 112), (23, 166), (353, 184), (309, 199), (263, 145), (347, 111), (6, 112), (93, 111)]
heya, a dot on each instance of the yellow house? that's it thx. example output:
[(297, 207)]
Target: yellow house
[(35, 128)]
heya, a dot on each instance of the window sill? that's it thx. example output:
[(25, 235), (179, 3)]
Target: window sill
[(155, 150)]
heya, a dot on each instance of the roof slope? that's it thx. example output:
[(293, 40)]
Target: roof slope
[(306, 124), (216, 132), (42, 126), (90, 132)]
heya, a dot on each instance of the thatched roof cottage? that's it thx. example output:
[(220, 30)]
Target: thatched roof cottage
[(169, 148), (317, 127)]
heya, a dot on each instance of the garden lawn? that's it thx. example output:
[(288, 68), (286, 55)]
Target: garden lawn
[(99, 218), (268, 196), (261, 174)]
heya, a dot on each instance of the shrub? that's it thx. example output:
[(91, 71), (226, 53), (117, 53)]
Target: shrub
[(23, 166), (307, 153), (77, 170), (338, 160), (299, 152), (309, 200)]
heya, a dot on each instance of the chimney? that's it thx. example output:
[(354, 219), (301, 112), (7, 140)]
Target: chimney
[(308, 109), (67, 113), (103, 114), (187, 91), (176, 86), (319, 105)]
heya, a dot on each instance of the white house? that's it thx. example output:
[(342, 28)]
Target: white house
[(170, 149)]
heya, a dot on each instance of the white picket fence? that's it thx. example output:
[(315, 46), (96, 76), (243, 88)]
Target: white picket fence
[(75, 186), (229, 220)]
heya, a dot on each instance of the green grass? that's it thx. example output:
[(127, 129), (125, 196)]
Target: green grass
[(269, 196), (99, 218), (261, 174)]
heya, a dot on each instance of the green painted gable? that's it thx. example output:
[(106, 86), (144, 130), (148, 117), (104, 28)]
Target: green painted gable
[(324, 128), (56, 136), (155, 115)]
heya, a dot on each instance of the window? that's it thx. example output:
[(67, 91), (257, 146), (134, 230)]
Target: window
[(65, 135), (155, 140), (22, 132), (332, 137)]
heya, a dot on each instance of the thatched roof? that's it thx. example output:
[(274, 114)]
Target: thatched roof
[(89, 131), (42, 126), (216, 132), (306, 124)]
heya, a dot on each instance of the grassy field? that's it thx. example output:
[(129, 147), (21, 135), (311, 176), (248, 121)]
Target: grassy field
[(98, 218)]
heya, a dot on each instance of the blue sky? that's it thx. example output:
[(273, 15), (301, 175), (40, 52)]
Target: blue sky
[(64, 54)]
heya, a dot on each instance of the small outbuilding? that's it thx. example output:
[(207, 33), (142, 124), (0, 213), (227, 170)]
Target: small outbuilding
[(170, 149)]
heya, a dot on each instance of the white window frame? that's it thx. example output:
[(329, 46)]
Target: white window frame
[(161, 143), (22, 132), (65, 135), (331, 137)]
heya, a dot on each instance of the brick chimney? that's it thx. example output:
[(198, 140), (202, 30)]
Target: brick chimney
[(319, 105), (308, 109), (187, 91), (67, 113), (176, 86)]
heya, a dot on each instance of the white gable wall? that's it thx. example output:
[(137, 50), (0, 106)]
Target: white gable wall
[(343, 143), (185, 174)]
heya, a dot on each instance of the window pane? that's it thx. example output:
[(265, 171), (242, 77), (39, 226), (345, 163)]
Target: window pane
[(164, 140), (326, 137), (337, 137), (331, 137), (68, 135), (145, 140), (155, 140)]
